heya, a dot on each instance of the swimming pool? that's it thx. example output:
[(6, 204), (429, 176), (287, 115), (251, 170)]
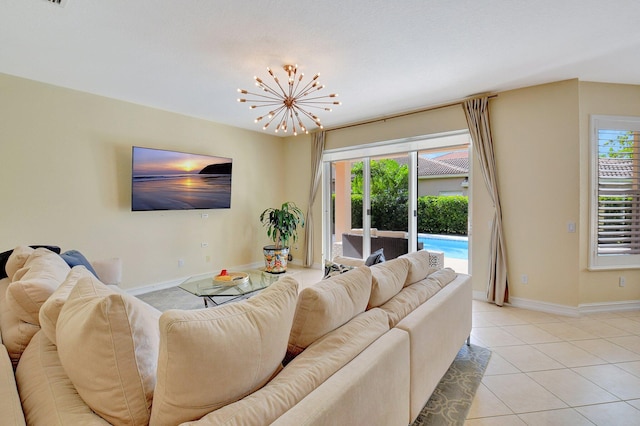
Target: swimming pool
[(454, 247)]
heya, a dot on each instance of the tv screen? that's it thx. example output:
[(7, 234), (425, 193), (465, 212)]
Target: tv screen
[(171, 180)]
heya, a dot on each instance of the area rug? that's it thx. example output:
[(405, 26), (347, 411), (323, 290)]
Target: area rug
[(450, 402)]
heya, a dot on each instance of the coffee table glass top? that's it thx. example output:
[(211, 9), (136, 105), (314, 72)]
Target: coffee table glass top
[(204, 286)]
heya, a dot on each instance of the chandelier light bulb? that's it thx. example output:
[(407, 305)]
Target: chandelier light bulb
[(292, 103)]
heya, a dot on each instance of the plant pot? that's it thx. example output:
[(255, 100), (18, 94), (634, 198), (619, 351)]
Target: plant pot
[(275, 259)]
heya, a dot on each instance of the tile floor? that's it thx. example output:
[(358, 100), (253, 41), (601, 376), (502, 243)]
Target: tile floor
[(549, 369)]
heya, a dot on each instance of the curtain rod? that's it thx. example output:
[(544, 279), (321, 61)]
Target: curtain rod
[(405, 114)]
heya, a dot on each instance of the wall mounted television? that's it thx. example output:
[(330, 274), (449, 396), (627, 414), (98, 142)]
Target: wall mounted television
[(172, 180)]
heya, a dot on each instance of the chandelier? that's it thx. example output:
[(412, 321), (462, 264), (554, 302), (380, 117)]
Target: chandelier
[(289, 104)]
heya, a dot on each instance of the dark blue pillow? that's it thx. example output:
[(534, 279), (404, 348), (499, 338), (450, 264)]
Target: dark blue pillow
[(4, 256), (75, 258), (375, 257)]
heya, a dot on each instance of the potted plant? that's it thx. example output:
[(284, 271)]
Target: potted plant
[(282, 227)]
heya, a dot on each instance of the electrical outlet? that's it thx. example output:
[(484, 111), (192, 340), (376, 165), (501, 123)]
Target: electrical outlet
[(622, 281), (205, 215), (180, 263), (524, 279), (204, 244)]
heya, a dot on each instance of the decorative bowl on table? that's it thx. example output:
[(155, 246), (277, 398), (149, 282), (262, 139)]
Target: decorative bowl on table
[(231, 278)]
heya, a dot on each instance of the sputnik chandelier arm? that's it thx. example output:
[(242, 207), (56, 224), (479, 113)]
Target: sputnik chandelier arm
[(291, 103)]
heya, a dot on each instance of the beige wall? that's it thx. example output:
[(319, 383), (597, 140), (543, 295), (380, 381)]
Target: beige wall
[(65, 170), (608, 99), (541, 148)]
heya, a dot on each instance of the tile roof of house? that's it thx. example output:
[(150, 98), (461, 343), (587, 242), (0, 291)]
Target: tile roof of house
[(454, 163), (615, 167)]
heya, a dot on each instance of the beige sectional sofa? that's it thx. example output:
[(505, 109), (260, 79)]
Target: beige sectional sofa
[(366, 347)]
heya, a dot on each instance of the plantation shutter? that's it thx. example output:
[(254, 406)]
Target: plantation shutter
[(617, 218)]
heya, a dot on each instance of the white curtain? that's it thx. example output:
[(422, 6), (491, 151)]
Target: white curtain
[(477, 113), (317, 147)]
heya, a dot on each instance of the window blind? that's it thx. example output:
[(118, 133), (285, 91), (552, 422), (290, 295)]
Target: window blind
[(618, 191)]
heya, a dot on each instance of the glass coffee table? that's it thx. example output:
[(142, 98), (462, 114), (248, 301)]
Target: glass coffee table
[(217, 294)]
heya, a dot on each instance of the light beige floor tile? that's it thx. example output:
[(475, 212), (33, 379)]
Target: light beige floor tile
[(635, 403), (630, 314), (572, 388), (503, 317), (495, 336), (499, 365), (627, 324), (601, 315), (482, 306), (566, 331), (613, 379), (628, 342), (496, 421), (535, 317), (530, 334), (631, 367), (598, 327), (615, 413), (480, 320), (486, 404), (568, 354), (527, 358), (606, 350), (521, 393), (563, 417)]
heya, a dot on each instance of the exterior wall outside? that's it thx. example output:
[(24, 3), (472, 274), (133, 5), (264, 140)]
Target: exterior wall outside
[(65, 173), (435, 186)]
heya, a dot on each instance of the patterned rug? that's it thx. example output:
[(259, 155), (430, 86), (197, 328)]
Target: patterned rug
[(450, 402)]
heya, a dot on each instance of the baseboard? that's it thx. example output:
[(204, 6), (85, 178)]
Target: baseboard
[(572, 311)]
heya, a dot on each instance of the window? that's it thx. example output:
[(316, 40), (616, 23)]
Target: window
[(615, 192)]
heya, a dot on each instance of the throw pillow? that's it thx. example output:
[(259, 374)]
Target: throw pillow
[(75, 258), (108, 346), (241, 343), (327, 305), (375, 257), (331, 269)]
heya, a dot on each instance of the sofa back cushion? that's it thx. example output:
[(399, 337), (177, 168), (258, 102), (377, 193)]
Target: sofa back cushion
[(108, 345), (16, 260), (32, 284), (419, 266), (48, 395), (327, 305), (212, 357), (388, 278), (51, 308), (443, 276), (305, 373)]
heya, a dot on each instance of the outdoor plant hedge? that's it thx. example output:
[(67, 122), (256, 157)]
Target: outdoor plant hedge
[(436, 214)]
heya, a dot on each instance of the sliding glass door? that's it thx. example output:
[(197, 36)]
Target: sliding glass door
[(376, 201)]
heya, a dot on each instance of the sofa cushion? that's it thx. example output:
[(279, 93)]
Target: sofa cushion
[(51, 308), (387, 280), (408, 299), (349, 261), (10, 406), (41, 274), (212, 357), (419, 266), (47, 394), (305, 373), (327, 305), (16, 334), (16, 258), (443, 276), (108, 345)]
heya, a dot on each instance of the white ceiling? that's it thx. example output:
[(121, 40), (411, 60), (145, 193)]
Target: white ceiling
[(382, 56)]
